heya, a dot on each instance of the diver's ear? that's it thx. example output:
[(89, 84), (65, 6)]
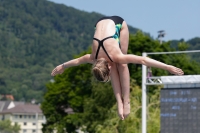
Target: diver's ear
[(109, 67)]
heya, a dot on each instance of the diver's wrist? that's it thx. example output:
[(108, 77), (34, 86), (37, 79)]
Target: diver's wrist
[(63, 66)]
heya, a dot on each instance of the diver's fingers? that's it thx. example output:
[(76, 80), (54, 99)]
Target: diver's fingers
[(55, 72)]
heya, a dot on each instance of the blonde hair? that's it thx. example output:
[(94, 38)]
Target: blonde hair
[(101, 70)]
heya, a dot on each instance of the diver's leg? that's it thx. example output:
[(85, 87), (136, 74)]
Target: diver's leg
[(115, 81), (124, 71), (125, 85)]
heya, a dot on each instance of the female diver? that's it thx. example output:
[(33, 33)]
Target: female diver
[(109, 58)]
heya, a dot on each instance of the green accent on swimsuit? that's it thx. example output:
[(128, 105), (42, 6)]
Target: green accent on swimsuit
[(117, 33)]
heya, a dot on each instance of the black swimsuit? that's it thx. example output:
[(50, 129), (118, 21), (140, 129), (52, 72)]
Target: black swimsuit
[(118, 25)]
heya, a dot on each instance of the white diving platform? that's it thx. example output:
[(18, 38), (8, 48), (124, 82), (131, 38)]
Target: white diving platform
[(175, 81)]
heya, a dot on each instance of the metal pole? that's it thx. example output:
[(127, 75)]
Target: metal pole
[(36, 114), (144, 97), (174, 52)]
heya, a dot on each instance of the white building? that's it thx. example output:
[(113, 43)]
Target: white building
[(28, 116)]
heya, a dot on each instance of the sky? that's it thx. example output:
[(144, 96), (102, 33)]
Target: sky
[(180, 19)]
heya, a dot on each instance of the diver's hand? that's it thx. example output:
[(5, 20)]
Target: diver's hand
[(175, 70), (58, 70)]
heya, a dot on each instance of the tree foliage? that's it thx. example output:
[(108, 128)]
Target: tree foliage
[(7, 127), (194, 45)]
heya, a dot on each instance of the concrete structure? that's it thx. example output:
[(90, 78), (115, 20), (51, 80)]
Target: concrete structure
[(28, 116)]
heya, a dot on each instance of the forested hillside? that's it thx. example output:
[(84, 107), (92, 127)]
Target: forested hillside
[(35, 36), (192, 44)]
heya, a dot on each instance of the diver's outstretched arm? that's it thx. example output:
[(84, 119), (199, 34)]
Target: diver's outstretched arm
[(130, 58), (75, 62)]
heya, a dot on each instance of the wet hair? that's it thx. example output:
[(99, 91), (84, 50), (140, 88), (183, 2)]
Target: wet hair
[(101, 70)]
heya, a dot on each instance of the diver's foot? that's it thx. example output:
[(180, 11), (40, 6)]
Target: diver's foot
[(120, 110), (126, 109)]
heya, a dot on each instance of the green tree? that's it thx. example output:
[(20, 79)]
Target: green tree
[(194, 44), (133, 124), (68, 90), (7, 127)]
